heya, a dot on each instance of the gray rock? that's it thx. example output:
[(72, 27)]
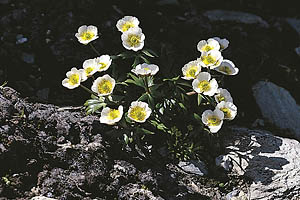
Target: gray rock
[(193, 166), (271, 162), (133, 191), (236, 195), (21, 39), (297, 50), (41, 198), (294, 23), (278, 107), (28, 58), (224, 162), (234, 16)]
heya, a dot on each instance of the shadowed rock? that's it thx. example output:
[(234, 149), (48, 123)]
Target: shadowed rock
[(271, 162), (278, 106), (234, 16)]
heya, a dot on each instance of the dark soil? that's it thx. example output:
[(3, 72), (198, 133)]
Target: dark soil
[(64, 154)]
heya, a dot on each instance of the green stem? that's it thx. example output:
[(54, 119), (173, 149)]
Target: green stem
[(146, 84), (88, 90), (94, 49), (210, 100)]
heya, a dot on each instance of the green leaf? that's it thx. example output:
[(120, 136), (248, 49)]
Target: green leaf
[(151, 101), (145, 59), (143, 97), (182, 106), (152, 52), (126, 55), (122, 83), (172, 79), (197, 117), (155, 87), (199, 99), (128, 120), (94, 107), (185, 84), (159, 126), (91, 102), (125, 138), (134, 77), (94, 96), (115, 57), (142, 130), (136, 62), (4, 84), (147, 53), (182, 89), (138, 83)]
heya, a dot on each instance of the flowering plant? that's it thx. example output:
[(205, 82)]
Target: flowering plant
[(144, 104)]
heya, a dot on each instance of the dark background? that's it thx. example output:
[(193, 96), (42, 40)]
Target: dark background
[(36, 68)]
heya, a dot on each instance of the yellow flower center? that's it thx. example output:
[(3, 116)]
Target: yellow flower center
[(133, 40), (221, 98), (113, 114), (74, 79), (127, 26), (138, 113), (88, 70), (207, 48), (213, 121), (87, 36), (204, 86), (226, 112), (103, 65), (192, 72), (105, 87), (208, 60), (225, 69)]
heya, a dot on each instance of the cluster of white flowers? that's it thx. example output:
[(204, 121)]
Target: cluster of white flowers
[(132, 35), (199, 71), (211, 59), (133, 39), (89, 68)]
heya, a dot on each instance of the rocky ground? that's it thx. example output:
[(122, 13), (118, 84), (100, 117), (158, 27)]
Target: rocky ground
[(49, 147)]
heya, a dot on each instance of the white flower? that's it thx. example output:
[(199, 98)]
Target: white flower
[(103, 62), (223, 95), (133, 39), (211, 59), (223, 43), (229, 109), (213, 119), (126, 23), (111, 116), (103, 85), (227, 67), (206, 46), (145, 69), (87, 34), (73, 79), (139, 111), (89, 68), (203, 84), (191, 70)]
